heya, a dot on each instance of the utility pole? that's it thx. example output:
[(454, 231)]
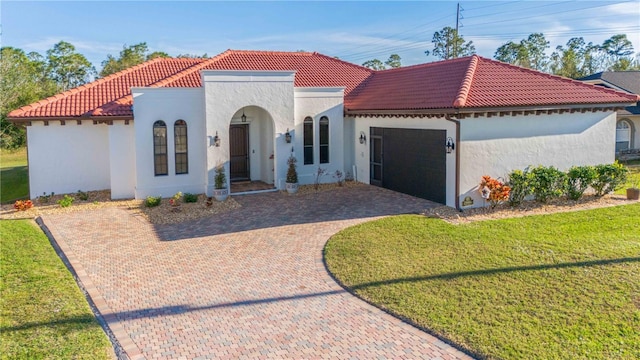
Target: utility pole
[(455, 36)]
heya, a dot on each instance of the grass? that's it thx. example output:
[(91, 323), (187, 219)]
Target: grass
[(14, 176), (560, 286), (43, 314), (633, 178)]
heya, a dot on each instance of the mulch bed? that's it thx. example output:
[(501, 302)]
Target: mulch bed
[(167, 214), (526, 208)]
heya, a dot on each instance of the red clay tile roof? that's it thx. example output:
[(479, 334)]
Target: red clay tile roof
[(465, 83), (84, 100), (473, 82)]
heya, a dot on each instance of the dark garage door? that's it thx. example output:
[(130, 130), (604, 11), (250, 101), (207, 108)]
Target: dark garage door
[(410, 161)]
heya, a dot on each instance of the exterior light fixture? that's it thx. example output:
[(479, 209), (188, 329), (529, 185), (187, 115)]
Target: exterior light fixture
[(450, 145), (216, 140), (363, 138), (243, 117), (287, 136)]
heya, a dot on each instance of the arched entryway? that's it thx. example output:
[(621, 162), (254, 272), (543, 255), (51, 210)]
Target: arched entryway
[(251, 150)]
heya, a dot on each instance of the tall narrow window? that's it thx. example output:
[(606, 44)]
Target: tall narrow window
[(180, 137), (160, 148), (324, 140), (308, 140)]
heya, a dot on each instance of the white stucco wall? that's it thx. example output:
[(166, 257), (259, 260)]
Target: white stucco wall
[(226, 93), (67, 158), (362, 151), (169, 105), (122, 160), (316, 103), (495, 146)]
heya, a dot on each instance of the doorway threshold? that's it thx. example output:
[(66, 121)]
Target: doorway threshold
[(249, 192)]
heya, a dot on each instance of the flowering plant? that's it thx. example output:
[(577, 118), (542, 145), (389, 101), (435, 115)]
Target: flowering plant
[(175, 200), (494, 190), (23, 205)]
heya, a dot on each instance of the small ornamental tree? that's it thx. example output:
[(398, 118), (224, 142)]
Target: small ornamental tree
[(220, 179), (292, 174), (494, 190)]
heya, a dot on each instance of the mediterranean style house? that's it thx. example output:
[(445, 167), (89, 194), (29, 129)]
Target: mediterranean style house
[(628, 121), (430, 130)]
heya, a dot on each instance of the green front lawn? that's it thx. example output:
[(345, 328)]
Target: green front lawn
[(561, 286), (14, 176), (43, 313)]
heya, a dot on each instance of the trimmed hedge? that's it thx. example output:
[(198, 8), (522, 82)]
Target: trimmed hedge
[(547, 182)]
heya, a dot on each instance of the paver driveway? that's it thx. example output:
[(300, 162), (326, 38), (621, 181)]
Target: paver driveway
[(245, 284)]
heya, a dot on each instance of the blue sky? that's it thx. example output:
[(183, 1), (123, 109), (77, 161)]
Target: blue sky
[(354, 31)]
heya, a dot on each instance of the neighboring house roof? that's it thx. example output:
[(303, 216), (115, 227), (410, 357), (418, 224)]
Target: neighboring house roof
[(466, 83), (628, 81)]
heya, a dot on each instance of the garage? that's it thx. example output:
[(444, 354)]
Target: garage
[(410, 161)]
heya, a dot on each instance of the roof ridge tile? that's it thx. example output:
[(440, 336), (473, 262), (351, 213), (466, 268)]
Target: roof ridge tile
[(465, 87), (190, 70), (100, 110)]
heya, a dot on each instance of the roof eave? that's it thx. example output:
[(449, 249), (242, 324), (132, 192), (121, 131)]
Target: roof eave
[(26, 120), (483, 110)]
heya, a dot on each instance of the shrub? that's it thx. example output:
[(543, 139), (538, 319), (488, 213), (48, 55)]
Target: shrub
[(519, 183), (44, 198), (339, 176), (579, 178), (175, 200), (220, 180), (292, 174), (152, 201), (547, 183), (23, 205), (494, 190), (84, 196), (319, 174), (190, 198), (66, 201), (609, 177)]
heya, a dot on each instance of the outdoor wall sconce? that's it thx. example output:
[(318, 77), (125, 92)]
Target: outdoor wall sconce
[(287, 136), (450, 145), (243, 117), (363, 137), (216, 140)]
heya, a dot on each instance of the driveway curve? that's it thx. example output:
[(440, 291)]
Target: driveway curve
[(250, 283)]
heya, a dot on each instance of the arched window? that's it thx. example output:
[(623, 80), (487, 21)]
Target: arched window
[(324, 140), (307, 132), (180, 137), (160, 148), (623, 135)]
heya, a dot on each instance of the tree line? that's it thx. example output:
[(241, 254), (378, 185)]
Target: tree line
[(576, 59), (28, 77)]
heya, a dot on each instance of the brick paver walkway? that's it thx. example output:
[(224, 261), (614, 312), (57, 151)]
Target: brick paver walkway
[(245, 284)]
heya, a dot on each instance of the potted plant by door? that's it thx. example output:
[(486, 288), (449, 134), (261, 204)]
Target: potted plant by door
[(633, 191), (220, 183), (292, 176)]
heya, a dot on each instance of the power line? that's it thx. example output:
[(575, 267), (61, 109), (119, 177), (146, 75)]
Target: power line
[(414, 43)]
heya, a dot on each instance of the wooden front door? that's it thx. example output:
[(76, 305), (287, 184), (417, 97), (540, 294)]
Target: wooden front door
[(239, 142)]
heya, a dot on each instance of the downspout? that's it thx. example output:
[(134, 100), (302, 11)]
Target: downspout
[(457, 152)]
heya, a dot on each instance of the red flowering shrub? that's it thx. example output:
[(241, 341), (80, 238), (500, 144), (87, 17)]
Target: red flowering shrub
[(494, 190), (23, 205)]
